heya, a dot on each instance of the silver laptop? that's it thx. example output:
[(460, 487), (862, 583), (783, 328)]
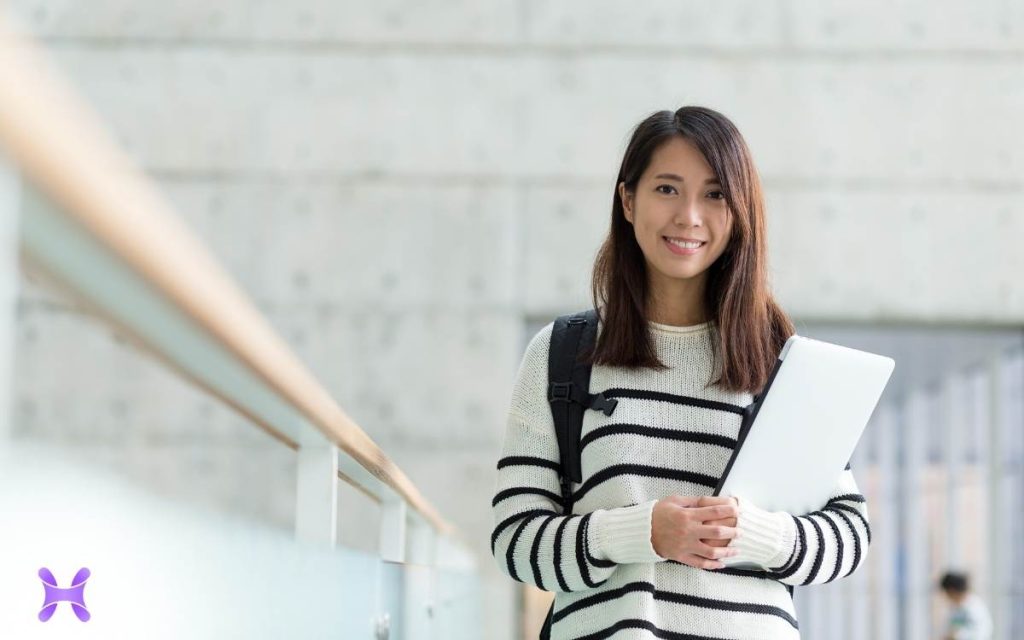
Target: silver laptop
[(804, 428)]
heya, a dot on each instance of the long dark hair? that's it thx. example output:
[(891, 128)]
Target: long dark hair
[(751, 326)]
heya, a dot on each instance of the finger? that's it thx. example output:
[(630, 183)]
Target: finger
[(717, 532), (684, 501), (717, 512), (714, 553), (700, 563)]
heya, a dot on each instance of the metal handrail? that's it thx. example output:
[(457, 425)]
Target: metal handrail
[(114, 216)]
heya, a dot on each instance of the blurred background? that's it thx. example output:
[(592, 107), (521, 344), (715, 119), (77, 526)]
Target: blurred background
[(408, 191)]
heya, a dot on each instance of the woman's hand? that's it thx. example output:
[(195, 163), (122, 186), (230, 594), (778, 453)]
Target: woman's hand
[(708, 501), (681, 530)]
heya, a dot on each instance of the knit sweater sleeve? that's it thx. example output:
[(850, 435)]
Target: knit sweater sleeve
[(533, 540), (817, 547)]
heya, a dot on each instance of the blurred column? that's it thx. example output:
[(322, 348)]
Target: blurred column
[(997, 541), (1014, 432), (953, 425), (851, 600), (885, 526), (912, 500), (9, 199), (980, 456)]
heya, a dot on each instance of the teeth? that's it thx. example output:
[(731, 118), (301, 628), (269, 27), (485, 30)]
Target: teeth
[(686, 245)]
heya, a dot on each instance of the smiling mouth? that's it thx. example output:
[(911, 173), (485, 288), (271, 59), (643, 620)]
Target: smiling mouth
[(685, 246)]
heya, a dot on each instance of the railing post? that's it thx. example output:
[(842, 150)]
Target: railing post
[(445, 622), (393, 519), (316, 499), (390, 583), (421, 569), (9, 213)]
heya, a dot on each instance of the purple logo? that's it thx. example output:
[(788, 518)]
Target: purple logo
[(75, 594)]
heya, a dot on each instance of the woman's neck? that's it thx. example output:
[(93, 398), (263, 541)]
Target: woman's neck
[(681, 308)]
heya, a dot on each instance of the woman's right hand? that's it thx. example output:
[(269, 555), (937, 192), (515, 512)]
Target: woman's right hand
[(678, 531)]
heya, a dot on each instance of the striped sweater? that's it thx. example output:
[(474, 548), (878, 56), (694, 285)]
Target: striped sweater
[(669, 435)]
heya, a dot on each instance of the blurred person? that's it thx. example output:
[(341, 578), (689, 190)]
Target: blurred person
[(969, 618), (688, 331)]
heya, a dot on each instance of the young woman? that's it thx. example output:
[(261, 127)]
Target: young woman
[(688, 332)]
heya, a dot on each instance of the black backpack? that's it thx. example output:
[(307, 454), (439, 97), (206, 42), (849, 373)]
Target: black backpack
[(569, 392), (569, 396)]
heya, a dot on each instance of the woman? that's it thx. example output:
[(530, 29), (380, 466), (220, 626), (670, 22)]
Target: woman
[(685, 317)]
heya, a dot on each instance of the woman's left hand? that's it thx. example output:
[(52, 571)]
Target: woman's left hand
[(710, 501)]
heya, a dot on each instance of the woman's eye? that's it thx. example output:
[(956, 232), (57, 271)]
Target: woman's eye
[(720, 194), (666, 185)]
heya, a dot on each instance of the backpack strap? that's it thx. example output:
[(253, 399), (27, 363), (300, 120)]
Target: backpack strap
[(569, 392)]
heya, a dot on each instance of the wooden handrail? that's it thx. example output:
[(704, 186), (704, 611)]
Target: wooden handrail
[(60, 145)]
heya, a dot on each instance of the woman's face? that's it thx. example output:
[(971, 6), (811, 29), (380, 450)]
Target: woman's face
[(677, 198)]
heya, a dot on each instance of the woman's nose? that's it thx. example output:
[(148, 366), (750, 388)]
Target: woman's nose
[(688, 214)]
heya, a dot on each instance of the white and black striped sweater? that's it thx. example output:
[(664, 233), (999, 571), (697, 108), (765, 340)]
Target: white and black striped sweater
[(659, 441)]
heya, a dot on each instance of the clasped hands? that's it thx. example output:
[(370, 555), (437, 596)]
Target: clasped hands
[(695, 530)]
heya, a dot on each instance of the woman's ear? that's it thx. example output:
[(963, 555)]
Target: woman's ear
[(627, 202)]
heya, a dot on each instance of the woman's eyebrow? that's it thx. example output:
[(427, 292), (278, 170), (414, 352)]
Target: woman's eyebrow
[(672, 176)]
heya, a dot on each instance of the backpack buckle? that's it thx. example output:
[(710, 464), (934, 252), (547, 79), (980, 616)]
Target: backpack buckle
[(560, 391), (603, 404)]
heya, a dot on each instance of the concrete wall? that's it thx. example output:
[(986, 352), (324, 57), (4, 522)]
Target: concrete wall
[(401, 186)]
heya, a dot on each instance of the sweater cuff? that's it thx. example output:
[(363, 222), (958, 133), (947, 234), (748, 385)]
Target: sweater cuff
[(623, 534), (766, 537)]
